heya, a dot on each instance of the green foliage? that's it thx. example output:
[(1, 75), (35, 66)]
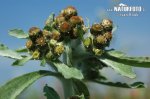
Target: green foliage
[(125, 70), (18, 33), (68, 72), (5, 51), (80, 88), (50, 93), (22, 61), (120, 84), (133, 61), (15, 86)]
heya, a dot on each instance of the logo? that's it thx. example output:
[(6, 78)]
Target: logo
[(125, 10)]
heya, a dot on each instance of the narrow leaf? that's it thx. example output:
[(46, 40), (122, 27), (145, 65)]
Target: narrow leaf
[(50, 19), (133, 61), (18, 33), (22, 50), (122, 85), (80, 88), (77, 97), (4, 51), (22, 61), (50, 93), (43, 62), (123, 69), (15, 86), (68, 72)]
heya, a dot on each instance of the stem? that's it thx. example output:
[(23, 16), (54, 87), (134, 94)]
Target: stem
[(67, 87)]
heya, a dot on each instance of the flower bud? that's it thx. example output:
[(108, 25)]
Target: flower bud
[(108, 36), (46, 34), (65, 27), (55, 35), (52, 42), (107, 24), (87, 42), (59, 49), (69, 12), (29, 44), (40, 41), (49, 55), (97, 51), (34, 31), (76, 20), (96, 29), (60, 19), (100, 39), (36, 54)]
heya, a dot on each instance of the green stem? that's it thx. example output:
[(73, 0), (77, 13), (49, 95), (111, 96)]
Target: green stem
[(68, 88)]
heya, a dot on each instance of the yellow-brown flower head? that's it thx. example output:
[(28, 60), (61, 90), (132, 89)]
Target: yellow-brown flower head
[(107, 24), (59, 49), (60, 19), (34, 31), (40, 41), (36, 54), (96, 29), (29, 44), (100, 39), (108, 36), (76, 20), (55, 35), (46, 33), (65, 27), (69, 12)]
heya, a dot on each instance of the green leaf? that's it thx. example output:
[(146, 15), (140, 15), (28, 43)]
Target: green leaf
[(80, 88), (80, 32), (4, 51), (15, 86), (22, 61), (50, 93), (123, 69), (18, 33), (122, 85), (22, 50), (133, 61), (77, 97), (67, 72), (43, 62), (50, 19)]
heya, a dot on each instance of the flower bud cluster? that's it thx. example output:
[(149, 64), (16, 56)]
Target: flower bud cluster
[(67, 23), (101, 37), (41, 43)]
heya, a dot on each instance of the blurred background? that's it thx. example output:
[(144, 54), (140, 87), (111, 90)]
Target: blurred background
[(132, 36)]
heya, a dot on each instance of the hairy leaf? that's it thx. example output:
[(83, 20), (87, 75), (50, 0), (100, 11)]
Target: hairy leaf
[(133, 61), (50, 93), (22, 50), (15, 86), (122, 85), (22, 61), (18, 33), (50, 19), (43, 62), (4, 51), (68, 72), (77, 97), (80, 88), (123, 69)]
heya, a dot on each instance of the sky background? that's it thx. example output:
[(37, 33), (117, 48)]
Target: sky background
[(132, 35)]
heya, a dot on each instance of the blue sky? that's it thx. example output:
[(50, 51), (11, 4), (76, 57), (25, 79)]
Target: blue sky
[(132, 35)]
